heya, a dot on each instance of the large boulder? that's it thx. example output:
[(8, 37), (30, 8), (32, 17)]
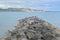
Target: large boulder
[(33, 28)]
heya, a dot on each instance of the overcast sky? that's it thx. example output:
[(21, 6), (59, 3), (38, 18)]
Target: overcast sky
[(52, 5)]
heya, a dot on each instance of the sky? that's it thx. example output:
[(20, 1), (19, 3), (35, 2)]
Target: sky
[(49, 5)]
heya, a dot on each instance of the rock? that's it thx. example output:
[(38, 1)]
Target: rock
[(33, 28)]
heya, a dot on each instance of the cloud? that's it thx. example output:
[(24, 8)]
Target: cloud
[(12, 6), (2, 6), (38, 4)]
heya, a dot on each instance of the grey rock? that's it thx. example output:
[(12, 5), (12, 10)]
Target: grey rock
[(33, 28)]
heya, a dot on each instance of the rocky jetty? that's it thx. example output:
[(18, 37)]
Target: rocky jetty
[(33, 28)]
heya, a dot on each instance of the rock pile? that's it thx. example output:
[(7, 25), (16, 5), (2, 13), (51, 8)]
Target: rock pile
[(33, 28)]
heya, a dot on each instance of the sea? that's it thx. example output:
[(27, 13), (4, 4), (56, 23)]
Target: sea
[(8, 20)]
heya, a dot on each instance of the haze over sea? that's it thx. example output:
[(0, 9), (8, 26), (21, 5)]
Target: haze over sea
[(9, 19)]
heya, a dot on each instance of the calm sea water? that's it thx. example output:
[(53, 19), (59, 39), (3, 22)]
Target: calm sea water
[(9, 19)]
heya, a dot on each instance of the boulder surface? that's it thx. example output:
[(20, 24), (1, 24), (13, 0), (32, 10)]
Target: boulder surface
[(33, 28)]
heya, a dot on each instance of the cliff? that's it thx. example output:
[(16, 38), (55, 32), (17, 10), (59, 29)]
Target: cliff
[(33, 28), (16, 9)]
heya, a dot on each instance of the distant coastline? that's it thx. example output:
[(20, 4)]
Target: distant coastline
[(20, 10)]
